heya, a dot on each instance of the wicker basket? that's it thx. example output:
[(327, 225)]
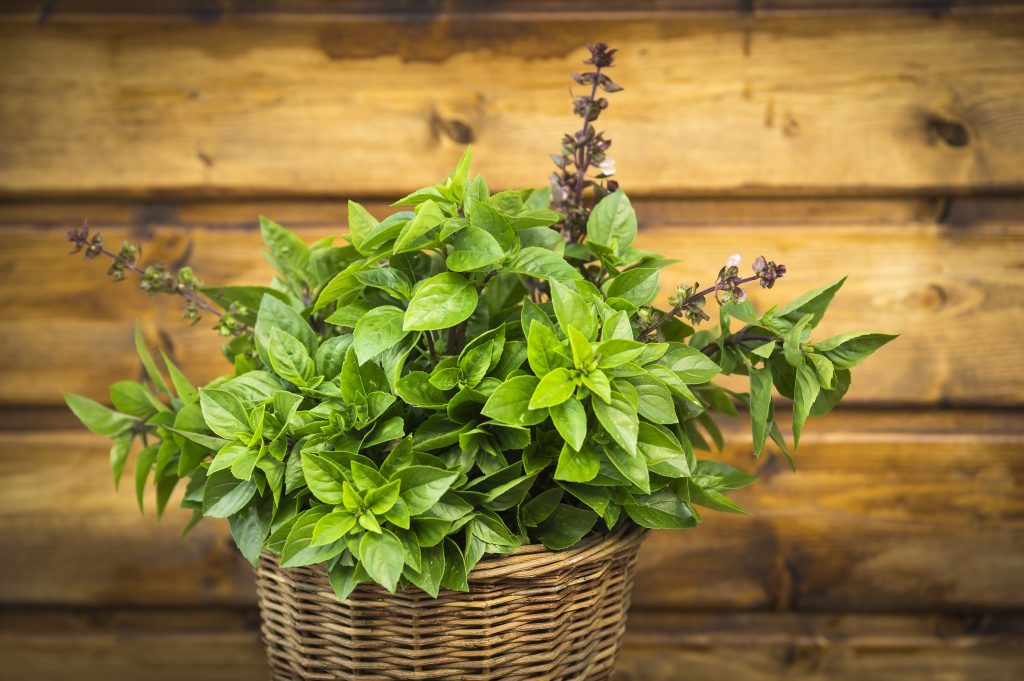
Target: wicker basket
[(530, 615)]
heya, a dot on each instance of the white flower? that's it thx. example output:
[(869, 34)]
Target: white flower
[(607, 166), (734, 260)]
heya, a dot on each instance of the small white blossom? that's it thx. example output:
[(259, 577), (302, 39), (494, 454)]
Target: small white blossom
[(607, 166), (734, 260)]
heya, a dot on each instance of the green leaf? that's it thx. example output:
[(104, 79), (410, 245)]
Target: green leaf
[(135, 399), (440, 302), (422, 486), (119, 456), (378, 330), (638, 286), (289, 358), (455, 575), (565, 527), (147, 360), (534, 312), (577, 466), (824, 368), (720, 475), (361, 225), (689, 364), (275, 314), (618, 351), (711, 498), (97, 418), (510, 402), (297, 550), (392, 281), (323, 476), (570, 420), (381, 499), (540, 263), (143, 466), (572, 310), (813, 303), (619, 419), (582, 353), (432, 565), (250, 527), (765, 350), (223, 413), (654, 399), (661, 510), (456, 180), (760, 405), (343, 580), (612, 223), (543, 350), (791, 349), (662, 451), (632, 466), (597, 382), (539, 508), (428, 216), (416, 389), (555, 388), (225, 494), (182, 386), (383, 558), (828, 399), (247, 297), (287, 252), (332, 527), (473, 249), (849, 349), (805, 393)]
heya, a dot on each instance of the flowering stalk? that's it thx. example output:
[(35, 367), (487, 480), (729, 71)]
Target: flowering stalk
[(689, 302), (155, 278), (584, 150)]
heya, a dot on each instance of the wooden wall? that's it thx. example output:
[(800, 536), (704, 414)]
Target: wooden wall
[(880, 139)]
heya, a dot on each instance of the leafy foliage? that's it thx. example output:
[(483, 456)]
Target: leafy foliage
[(467, 375)]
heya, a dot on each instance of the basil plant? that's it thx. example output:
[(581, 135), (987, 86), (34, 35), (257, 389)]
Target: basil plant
[(461, 379)]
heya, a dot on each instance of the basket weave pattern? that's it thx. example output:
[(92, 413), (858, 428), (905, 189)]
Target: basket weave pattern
[(529, 615)]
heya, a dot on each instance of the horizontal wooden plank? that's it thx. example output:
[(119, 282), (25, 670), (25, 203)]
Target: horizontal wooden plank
[(152, 646), (712, 105), (270, 10), (951, 287), (210, 645), (890, 511), (804, 648)]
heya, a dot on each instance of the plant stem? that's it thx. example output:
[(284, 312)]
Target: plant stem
[(196, 298), (430, 345)]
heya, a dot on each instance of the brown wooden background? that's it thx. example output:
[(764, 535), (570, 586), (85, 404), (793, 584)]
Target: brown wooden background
[(880, 139)]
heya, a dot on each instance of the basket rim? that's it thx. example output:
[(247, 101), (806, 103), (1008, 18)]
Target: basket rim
[(529, 560)]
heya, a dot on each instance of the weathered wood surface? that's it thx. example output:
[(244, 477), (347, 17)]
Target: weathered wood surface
[(48, 11), (722, 105), (153, 645), (890, 512), (946, 277)]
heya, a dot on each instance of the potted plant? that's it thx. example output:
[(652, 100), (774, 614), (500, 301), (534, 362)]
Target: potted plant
[(442, 442)]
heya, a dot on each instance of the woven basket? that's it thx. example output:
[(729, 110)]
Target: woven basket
[(530, 615)]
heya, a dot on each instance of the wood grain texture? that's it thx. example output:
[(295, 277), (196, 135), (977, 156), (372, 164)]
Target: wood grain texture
[(405, 10), (762, 647), (794, 104), (889, 512), (204, 645), (952, 288)]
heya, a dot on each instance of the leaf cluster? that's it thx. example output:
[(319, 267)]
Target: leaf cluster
[(456, 381)]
